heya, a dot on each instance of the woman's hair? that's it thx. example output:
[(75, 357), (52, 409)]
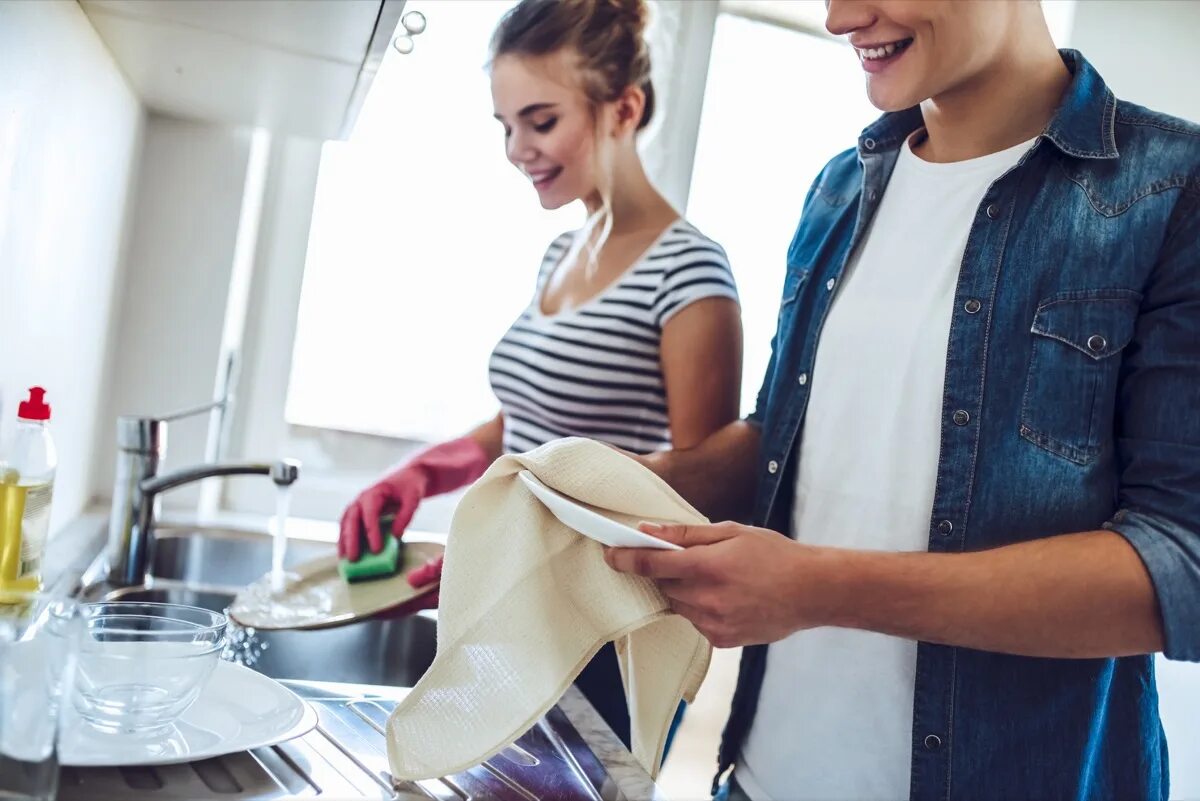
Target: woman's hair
[(609, 38)]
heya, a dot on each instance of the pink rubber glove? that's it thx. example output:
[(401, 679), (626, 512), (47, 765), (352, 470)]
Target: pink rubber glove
[(439, 469), (427, 573), (418, 577)]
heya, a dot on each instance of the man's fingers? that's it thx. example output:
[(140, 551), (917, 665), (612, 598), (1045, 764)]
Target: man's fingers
[(650, 562), (688, 535), (709, 626), (693, 613)]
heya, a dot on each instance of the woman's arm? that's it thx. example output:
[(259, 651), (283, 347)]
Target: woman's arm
[(441, 468), (490, 436), (702, 369)]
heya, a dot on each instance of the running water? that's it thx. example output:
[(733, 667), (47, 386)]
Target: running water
[(283, 501)]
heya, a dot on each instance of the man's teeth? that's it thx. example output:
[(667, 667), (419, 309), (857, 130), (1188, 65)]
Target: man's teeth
[(881, 52)]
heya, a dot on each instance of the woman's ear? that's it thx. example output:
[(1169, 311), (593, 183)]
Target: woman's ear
[(628, 108)]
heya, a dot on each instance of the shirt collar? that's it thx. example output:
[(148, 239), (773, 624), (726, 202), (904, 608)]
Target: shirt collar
[(1083, 126)]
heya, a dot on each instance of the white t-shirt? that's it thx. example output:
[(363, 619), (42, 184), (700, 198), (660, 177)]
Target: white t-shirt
[(834, 720)]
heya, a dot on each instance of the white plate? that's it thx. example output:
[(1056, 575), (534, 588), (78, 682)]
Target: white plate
[(317, 597), (591, 524), (237, 710)]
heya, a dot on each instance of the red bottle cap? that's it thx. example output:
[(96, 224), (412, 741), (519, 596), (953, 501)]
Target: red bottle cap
[(36, 407)]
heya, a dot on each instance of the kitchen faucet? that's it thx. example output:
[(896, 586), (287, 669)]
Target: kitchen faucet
[(141, 443)]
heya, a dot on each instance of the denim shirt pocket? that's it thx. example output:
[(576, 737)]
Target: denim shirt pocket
[(1070, 392)]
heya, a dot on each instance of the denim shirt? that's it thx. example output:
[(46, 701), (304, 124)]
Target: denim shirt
[(1071, 403)]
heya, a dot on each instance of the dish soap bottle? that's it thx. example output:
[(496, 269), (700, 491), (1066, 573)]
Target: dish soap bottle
[(27, 465)]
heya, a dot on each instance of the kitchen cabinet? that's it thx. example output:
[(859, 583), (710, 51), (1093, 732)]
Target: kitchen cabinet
[(297, 67)]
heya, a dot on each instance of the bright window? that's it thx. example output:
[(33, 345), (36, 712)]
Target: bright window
[(424, 246), (779, 104)]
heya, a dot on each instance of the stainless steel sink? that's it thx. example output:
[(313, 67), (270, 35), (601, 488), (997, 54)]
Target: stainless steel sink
[(208, 568), (223, 557), (353, 676)]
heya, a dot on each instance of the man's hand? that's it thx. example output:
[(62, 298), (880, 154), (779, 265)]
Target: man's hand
[(738, 585), (1085, 595)]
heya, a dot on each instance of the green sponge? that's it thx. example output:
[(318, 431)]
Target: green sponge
[(373, 565)]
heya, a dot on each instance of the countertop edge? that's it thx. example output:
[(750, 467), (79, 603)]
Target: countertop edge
[(633, 781)]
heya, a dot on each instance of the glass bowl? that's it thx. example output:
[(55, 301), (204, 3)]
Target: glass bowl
[(141, 665)]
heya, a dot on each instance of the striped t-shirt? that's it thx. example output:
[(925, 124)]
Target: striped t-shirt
[(595, 370)]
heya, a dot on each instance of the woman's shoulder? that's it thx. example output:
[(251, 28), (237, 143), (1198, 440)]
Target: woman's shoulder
[(684, 243), (555, 251), (558, 246), (690, 266)]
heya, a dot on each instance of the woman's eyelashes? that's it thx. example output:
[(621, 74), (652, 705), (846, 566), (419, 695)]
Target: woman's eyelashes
[(544, 127)]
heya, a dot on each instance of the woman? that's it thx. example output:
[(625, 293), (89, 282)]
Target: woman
[(633, 336)]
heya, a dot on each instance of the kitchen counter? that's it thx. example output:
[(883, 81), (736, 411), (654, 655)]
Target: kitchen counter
[(569, 754)]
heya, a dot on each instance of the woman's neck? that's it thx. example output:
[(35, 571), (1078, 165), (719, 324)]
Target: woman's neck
[(636, 204), (1010, 102)]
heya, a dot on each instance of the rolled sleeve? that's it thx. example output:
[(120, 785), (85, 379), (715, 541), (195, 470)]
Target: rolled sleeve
[(1158, 433), (1171, 554)]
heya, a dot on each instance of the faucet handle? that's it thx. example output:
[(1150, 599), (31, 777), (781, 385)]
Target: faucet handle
[(194, 410), (149, 434), (285, 472)]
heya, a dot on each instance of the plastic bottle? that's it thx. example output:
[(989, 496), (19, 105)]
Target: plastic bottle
[(27, 464)]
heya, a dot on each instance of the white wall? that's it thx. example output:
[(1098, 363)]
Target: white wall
[(1143, 48), (1140, 48), (173, 303), (69, 137)]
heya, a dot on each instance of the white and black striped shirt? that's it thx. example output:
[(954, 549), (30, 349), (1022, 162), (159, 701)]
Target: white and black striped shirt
[(595, 370)]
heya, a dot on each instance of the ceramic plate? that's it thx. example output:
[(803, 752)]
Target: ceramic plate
[(237, 710), (316, 597), (589, 523)]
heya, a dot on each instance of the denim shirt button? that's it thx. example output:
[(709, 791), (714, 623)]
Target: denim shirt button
[(972, 306), (961, 417), (803, 379), (772, 467), (869, 143), (993, 211), (933, 742), (945, 528), (830, 284), (872, 195), (1097, 343)]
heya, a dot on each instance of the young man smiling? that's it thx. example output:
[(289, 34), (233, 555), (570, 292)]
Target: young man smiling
[(981, 429)]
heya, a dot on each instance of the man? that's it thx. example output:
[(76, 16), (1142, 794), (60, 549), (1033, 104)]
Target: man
[(981, 428)]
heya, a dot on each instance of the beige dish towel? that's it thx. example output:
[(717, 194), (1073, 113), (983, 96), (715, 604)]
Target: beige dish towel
[(525, 604)]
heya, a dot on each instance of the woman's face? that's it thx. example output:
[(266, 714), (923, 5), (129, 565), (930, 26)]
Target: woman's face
[(912, 50), (549, 129)]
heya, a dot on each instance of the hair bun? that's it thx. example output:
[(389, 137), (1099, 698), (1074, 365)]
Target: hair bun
[(635, 12), (609, 36)]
